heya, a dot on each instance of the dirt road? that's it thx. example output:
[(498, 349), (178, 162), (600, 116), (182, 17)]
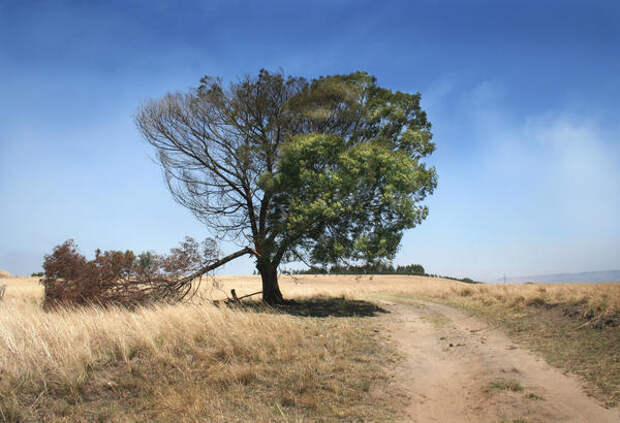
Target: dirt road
[(457, 369)]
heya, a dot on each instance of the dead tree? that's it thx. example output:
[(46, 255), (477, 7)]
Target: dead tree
[(122, 278)]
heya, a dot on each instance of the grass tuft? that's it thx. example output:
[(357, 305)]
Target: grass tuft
[(507, 385)]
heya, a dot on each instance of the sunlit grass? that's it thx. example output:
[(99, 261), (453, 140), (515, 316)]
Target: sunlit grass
[(189, 361), (197, 361)]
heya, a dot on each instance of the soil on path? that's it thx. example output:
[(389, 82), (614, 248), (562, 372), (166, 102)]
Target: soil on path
[(457, 369)]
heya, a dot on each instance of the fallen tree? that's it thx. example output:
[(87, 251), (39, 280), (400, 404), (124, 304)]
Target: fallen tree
[(122, 278)]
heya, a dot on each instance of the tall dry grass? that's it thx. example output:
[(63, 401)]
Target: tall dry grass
[(194, 361), (41, 348), (189, 361)]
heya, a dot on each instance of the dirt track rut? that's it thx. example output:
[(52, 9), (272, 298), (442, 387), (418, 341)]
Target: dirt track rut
[(457, 369)]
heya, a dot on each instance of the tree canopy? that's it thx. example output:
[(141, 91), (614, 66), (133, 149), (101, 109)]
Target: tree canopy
[(323, 171)]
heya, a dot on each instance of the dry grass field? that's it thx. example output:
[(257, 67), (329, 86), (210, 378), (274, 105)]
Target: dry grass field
[(322, 360), (185, 362)]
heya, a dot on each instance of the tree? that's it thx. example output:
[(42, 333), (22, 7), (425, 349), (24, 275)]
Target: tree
[(321, 171)]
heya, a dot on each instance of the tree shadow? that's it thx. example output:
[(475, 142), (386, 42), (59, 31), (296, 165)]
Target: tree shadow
[(320, 307)]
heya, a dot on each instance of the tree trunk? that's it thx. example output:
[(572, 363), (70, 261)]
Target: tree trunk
[(271, 289)]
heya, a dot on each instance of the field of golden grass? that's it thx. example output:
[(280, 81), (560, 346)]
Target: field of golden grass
[(185, 362), (323, 362)]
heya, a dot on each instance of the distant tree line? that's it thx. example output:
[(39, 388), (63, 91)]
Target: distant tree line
[(465, 280), (380, 268), (372, 268)]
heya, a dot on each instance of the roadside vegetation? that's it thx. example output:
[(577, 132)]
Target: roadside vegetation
[(575, 327)]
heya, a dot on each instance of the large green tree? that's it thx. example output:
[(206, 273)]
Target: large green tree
[(321, 171)]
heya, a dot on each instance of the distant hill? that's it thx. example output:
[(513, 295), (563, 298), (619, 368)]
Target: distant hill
[(4, 274), (602, 276)]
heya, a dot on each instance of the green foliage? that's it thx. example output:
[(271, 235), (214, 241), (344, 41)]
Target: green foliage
[(411, 269), (350, 194)]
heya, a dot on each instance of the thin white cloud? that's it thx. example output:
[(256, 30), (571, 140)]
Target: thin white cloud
[(518, 194)]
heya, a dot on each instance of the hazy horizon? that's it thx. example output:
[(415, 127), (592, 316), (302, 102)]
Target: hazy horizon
[(522, 98)]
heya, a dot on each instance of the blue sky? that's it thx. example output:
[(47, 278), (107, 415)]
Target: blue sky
[(523, 97)]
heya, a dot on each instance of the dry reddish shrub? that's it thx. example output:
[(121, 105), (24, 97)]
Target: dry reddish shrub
[(122, 278)]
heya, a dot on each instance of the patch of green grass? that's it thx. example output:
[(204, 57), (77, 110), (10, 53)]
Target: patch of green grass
[(533, 396), (507, 385)]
